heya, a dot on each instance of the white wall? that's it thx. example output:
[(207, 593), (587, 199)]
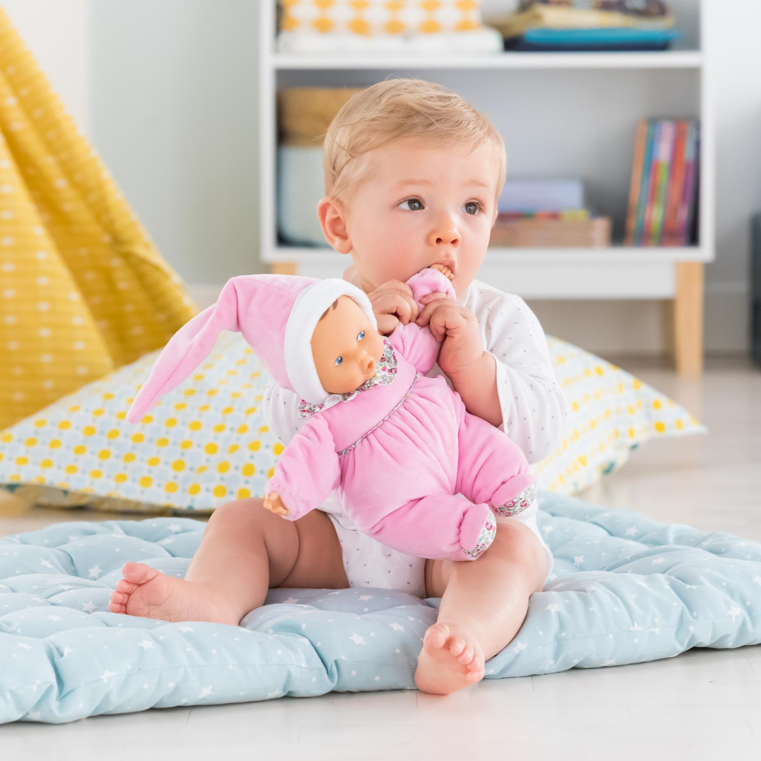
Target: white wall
[(174, 115), (57, 34), (172, 90)]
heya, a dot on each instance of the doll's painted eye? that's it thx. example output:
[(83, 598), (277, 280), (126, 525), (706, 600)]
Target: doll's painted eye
[(339, 360), (361, 335)]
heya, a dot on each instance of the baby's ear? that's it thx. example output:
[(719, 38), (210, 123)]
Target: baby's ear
[(332, 216)]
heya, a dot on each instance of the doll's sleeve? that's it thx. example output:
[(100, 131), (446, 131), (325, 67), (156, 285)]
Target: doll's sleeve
[(307, 471), (417, 345)]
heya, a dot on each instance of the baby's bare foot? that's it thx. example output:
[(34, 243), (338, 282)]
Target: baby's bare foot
[(148, 593), (443, 269), (450, 660)]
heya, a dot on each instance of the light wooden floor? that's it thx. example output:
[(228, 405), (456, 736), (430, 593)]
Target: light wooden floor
[(704, 704)]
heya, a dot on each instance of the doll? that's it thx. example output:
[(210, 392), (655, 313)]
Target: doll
[(399, 449)]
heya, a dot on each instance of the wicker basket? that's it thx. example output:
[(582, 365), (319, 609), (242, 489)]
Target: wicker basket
[(305, 113)]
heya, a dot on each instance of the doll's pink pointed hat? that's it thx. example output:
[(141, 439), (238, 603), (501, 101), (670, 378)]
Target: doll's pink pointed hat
[(276, 314)]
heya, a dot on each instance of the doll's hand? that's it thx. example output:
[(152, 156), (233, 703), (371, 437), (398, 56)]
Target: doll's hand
[(393, 303), (274, 504)]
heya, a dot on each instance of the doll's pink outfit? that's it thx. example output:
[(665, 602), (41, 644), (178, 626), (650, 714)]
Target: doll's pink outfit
[(398, 450)]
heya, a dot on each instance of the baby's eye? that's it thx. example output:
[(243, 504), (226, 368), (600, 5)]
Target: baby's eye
[(361, 335), (339, 360), (414, 204), (472, 207)]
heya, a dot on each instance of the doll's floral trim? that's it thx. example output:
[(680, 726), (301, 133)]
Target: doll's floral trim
[(351, 447), (486, 537), (385, 373), (517, 504)]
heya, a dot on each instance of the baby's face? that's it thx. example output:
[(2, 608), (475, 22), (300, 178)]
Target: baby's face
[(346, 347), (422, 205)]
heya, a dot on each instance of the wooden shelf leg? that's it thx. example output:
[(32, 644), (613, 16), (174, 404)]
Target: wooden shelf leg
[(284, 268), (688, 318)]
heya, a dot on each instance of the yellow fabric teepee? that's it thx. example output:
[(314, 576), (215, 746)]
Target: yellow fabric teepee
[(83, 289)]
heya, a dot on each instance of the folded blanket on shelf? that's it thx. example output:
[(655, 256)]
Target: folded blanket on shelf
[(464, 43), (381, 26), (538, 15)]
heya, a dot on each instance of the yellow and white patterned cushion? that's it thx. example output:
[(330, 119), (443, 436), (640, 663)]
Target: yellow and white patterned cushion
[(207, 443), (370, 18)]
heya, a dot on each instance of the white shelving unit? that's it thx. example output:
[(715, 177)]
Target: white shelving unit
[(561, 114)]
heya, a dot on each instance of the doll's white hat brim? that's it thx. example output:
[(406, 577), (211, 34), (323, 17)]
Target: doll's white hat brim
[(306, 313)]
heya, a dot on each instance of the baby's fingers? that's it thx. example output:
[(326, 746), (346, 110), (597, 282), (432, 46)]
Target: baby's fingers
[(425, 315), (402, 304)]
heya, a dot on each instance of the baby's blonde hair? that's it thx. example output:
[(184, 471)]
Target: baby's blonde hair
[(395, 109)]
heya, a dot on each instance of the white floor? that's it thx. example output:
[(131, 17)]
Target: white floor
[(704, 704)]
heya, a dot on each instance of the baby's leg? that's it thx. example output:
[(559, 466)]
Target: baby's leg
[(245, 550), (438, 526), (483, 606)]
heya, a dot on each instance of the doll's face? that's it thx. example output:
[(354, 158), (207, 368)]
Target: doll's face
[(346, 347)]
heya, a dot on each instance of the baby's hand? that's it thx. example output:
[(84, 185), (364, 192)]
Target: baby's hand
[(457, 327), (274, 504), (393, 303), (444, 270)]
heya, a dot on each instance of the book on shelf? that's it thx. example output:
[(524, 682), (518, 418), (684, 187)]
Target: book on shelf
[(663, 193)]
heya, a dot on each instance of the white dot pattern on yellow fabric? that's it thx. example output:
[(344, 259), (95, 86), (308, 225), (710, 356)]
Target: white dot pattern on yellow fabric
[(612, 413), (197, 451), (82, 288)]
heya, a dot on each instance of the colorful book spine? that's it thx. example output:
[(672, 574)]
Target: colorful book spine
[(670, 235), (644, 184), (664, 188), (687, 207), (664, 166), (639, 157), (652, 184)]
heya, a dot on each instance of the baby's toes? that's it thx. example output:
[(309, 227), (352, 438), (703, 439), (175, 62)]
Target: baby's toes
[(437, 635), (466, 656), (477, 664), (118, 603), (456, 646)]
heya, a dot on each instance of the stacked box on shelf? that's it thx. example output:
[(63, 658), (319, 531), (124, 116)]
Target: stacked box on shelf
[(540, 213)]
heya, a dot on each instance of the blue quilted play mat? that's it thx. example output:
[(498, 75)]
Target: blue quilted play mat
[(625, 589)]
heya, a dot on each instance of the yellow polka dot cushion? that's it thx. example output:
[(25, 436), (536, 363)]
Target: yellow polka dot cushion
[(82, 288), (206, 442)]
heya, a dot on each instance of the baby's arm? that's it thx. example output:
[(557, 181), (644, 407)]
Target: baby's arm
[(306, 472), (533, 405)]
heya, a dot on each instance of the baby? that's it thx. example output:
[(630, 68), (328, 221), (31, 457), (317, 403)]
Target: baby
[(412, 178)]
